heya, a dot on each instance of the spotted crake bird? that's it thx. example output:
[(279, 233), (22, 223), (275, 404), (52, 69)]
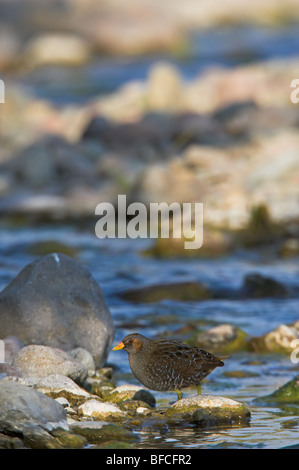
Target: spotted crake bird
[(164, 365)]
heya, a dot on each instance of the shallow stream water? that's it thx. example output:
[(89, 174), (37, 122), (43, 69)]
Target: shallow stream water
[(119, 264)]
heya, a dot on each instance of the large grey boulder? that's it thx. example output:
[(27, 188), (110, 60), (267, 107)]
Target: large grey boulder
[(56, 302)]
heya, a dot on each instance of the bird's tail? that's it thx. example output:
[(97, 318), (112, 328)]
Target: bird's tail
[(221, 359)]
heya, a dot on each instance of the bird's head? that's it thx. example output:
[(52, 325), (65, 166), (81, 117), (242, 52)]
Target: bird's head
[(131, 343)]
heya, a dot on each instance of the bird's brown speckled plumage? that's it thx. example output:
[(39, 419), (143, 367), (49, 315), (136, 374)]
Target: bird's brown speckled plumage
[(165, 365)]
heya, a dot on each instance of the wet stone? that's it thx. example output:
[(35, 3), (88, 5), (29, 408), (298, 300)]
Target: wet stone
[(69, 440), (30, 414), (134, 392), (100, 410), (57, 386), (102, 431), (208, 410), (258, 286), (99, 385)]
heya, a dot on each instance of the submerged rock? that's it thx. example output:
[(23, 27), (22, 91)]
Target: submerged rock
[(215, 243), (69, 440), (101, 431), (289, 247), (56, 302), (187, 291), (287, 393), (259, 286), (208, 410)]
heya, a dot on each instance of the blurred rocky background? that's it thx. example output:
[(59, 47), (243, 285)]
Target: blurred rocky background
[(172, 101)]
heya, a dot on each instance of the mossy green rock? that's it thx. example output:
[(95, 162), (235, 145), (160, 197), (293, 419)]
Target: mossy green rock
[(38, 438), (239, 374), (288, 393), (261, 229), (102, 431), (215, 243), (184, 291), (208, 410), (69, 440), (133, 392), (45, 247), (100, 386), (221, 339), (116, 445), (135, 407), (9, 442), (278, 341)]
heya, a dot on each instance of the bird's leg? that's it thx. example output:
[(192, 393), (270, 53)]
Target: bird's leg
[(198, 389), (179, 394)]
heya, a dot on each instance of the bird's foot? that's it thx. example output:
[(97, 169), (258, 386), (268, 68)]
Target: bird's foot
[(179, 394)]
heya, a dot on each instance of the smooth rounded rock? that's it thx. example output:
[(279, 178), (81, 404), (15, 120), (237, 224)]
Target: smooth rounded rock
[(99, 410), (84, 357), (55, 301), (40, 361)]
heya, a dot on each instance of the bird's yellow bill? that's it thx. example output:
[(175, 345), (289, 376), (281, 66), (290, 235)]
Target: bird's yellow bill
[(119, 346)]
